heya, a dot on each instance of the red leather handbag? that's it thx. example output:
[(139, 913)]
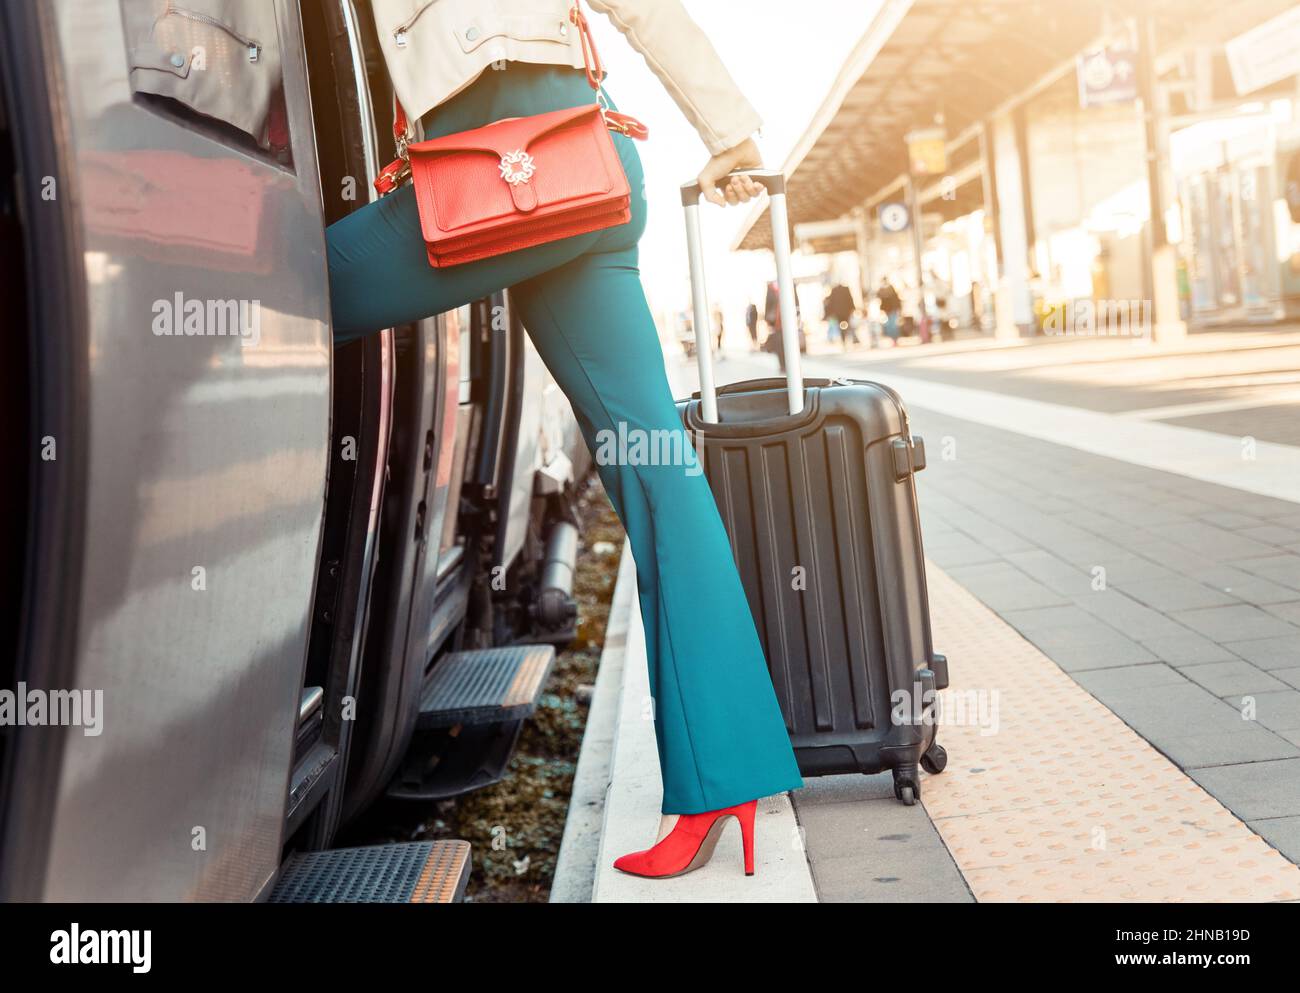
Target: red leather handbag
[(520, 182)]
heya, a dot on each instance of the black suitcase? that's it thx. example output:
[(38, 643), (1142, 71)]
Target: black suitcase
[(814, 482)]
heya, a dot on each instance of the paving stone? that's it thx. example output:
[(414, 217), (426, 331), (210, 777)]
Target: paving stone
[(1178, 559), (1167, 710), (1125, 535), (1058, 507), (1126, 615), (1266, 507), (1188, 506), (1271, 534), (1122, 679), (1152, 515), (1229, 678), (1268, 653), (1048, 618), (1230, 519), (1283, 833), (1241, 622), (1132, 568), (961, 550), (1057, 575), (1251, 743), (1207, 539), (935, 529), (1242, 585), (1289, 676), (950, 538), (1001, 540), (1256, 789), (1186, 649), (1097, 523), (1284, 569), (1094, 646), (877, 851), (1277, 711), (1003, 587), (1168, 595), (1289, 611)]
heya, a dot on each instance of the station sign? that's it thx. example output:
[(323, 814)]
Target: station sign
[(1266, 54), (927, 151), (1107, 75)]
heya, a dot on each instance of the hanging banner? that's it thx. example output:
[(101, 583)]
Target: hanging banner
[(1266, 54), (927, 150), (1107, 76)]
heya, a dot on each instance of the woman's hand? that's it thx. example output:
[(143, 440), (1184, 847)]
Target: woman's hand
[(739, 189)]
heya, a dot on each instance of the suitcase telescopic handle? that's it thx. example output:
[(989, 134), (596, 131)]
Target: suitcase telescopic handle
[(774, 182)]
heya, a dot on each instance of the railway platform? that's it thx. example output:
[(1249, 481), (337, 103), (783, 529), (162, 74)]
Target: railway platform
[(1114, 567)]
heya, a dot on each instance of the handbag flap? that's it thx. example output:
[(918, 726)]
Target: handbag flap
[(503, 136), (559, 159)]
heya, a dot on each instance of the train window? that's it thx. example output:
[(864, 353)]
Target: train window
[(213, 63)]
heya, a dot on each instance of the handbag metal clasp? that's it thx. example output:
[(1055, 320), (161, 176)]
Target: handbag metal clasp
[(517, 167)]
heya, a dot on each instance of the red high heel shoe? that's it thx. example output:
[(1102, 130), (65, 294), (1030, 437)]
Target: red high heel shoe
[(690, 844)]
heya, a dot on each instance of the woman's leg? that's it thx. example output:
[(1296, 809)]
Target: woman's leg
[(380, 275), (721, 737)]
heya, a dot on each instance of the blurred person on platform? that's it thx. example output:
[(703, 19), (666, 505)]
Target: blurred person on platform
[(891, 305), (840, 310), (751, 325), (941, 307), (832, 325), (776, 333)]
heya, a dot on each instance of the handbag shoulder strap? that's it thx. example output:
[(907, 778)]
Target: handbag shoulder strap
[(397, 171), (590, 56)]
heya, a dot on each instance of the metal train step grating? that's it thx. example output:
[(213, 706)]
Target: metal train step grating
[(415, 872), (491, 686)]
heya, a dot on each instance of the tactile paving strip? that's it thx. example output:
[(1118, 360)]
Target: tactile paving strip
[(1058, 799)]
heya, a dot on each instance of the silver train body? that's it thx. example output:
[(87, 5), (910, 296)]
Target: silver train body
[(256, 552)]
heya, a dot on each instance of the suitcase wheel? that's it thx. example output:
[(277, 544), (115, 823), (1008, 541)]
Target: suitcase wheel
[(935, 760), (907, 785)]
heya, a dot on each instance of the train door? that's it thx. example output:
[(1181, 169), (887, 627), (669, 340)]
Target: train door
[(181, 405)]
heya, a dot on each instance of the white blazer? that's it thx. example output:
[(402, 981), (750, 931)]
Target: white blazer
[(436, 48)]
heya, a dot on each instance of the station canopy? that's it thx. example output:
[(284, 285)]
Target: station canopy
[(963, 61)]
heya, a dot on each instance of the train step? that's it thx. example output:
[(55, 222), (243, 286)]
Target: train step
[(414, 872), (492, 686), (472, 711), (441, 765)]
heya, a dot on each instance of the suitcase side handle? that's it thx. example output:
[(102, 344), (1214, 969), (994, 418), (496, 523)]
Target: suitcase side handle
[(774, 182)]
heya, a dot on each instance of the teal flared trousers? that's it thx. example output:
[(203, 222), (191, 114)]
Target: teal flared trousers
[(720, 734)]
